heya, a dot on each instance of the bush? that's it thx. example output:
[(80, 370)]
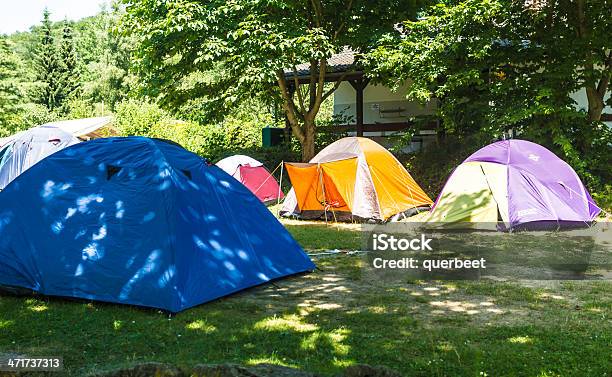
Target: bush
[(33, 114), (214, 141), (432, 166), (137, 118)]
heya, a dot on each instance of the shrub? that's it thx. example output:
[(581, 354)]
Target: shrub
[(137, 118), (33, 114)]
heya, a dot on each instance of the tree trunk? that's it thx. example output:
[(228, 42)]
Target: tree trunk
[(308, 144), (596, 104)]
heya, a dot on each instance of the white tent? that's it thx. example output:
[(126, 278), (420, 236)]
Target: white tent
[(230, 164), (254, 176), (28, 147), (84, 129), (81, 128)]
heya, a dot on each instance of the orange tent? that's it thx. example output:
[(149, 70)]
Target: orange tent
[(352, 178)]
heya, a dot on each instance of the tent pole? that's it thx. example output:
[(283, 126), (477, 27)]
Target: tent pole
[(266, 180), (280, 185), (323, 191)]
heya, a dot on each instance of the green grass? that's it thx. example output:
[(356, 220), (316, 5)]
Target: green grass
[(336, 317), (321, 237)]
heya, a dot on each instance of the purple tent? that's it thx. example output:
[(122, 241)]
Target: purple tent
[(515, 182)]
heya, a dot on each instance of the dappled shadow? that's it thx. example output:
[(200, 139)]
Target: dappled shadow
[(138, 221), (325, 321), (464, 210)]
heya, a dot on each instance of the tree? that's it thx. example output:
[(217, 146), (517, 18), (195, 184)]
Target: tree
[(500, 64), (69, 61), (10, 93), (593, 28), (50, 72), (105, 54), (222, 52)]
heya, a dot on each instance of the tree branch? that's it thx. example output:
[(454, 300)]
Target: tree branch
[(336, 86), (312, 87), (349, 7), (289, 106), (296, 82), (320, 86), (602, 87), (318, 9)]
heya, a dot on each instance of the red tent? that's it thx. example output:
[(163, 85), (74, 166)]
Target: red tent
[(254, 176)]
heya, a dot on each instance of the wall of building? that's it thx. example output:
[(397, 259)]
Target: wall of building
[(381, 105)]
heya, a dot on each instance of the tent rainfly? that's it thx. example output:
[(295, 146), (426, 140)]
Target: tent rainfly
[(254, 175), (84, 129), (28, 148), (353, 178), (139, 221), (510, 184)]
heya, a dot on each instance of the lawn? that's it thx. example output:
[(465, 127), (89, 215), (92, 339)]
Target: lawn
[(337, 316)]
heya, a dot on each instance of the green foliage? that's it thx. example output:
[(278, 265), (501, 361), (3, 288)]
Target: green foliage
[(242, 45), (138, 118), (49, 73), (92, 62), (10, 93), (68, 57), (213, 141), (34, 114), (105, 58), (218, 54), (496, 66)]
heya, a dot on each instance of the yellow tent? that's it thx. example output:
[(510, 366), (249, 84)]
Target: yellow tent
[(475, 196), (352, 178)]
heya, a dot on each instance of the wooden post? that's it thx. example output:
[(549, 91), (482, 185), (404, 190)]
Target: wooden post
[(359, 104), (288, 131), (359, 85)]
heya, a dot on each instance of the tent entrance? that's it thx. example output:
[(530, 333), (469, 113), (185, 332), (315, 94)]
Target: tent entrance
[(476, 192), (324, 187), (330, 197)]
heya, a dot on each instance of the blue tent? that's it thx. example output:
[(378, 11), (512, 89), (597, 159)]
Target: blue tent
[(138, 221)]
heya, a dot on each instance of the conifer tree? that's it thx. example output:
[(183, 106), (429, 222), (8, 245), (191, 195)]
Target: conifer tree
[(50, 73), (69, 61), (10, 93)]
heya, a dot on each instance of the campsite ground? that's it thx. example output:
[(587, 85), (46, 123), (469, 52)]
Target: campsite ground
[(335, 317)]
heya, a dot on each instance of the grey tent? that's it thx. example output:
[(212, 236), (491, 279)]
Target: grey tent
[(29, 147)]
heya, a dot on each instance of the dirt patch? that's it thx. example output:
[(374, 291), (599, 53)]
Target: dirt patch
[(480, 303)]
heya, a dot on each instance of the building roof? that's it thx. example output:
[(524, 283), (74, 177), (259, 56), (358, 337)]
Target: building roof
[(337, 63)]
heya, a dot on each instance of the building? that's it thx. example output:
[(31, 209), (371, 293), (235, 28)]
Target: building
[(373, 110), (377, 112)]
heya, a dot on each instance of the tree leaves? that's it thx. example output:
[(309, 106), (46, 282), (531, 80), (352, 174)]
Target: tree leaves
[(495, 65), (253, 43)]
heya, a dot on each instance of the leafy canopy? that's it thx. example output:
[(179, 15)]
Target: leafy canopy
[(501, 64), (220, 53), (524, 61)]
